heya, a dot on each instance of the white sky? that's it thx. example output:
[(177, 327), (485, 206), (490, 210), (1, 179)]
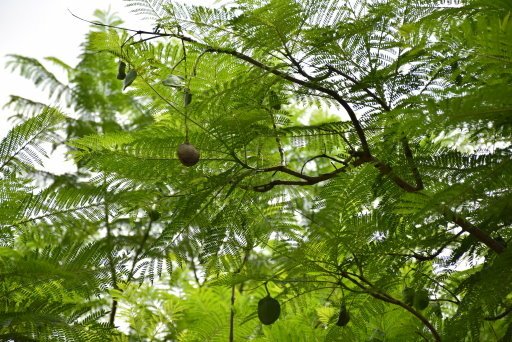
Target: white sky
[(42, 28), (38, 29)]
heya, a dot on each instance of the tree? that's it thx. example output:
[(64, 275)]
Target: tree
[(354, 164)]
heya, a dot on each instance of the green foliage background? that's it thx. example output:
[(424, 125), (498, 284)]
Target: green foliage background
[(349, 150)]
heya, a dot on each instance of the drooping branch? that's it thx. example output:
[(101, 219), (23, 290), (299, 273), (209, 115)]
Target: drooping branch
[(356, 82), (273, 70), (383, 168)]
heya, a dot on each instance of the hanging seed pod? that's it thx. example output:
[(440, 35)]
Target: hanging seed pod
[(187, 97), (154, 215), (408, 295), (188, 154), (130, 77), (344, 316), (421, 299), (121, 70), (269, 310)]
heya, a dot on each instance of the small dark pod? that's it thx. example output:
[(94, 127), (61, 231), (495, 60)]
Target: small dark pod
[(269, 310), (121, 71), (154, 215), (188, 154), (344, 316)]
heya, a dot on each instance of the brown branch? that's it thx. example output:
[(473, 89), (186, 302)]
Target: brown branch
[(473, 230), (111, 264), (383, 168), (139, 251), (232, 313), (272, 70), (370, 93), (306, 180), (386, 170), (322, 156)]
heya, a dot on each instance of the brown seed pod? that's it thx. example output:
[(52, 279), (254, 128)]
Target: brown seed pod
[(188, 154)]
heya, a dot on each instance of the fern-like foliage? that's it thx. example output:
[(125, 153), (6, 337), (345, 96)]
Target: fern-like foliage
[(350, 152)]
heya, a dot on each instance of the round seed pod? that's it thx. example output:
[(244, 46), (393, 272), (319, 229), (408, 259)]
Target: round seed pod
[(408, 295), (121, 71), (154, 215), (188, 154), (269, 310), (421, 299), (344, 316)]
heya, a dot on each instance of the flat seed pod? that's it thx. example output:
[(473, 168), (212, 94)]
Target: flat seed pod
[(173, 81), (344, 316), (187, 98), (188, 154), (269, 310), (121, 71), (130, 77)]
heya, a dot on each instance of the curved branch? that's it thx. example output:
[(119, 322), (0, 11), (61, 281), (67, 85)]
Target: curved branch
[(372, 291), (500, 316)]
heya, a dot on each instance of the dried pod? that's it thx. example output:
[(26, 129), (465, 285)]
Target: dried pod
[(344, 316), (121, 71), (269, 310), (188, 154)]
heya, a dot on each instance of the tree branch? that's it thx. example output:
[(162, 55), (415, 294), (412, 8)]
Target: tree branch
[(374, 292), (473, 230), (356, 82), (423, 257), (251, 60), (500, 316)]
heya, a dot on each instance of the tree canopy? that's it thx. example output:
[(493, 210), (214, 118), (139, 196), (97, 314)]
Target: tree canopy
[(275, 170)]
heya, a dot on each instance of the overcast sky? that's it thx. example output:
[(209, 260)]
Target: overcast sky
[(38, 29), (41, 28)]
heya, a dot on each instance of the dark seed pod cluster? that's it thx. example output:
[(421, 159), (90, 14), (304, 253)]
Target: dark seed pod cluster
[(188, 154), (269, 310)]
